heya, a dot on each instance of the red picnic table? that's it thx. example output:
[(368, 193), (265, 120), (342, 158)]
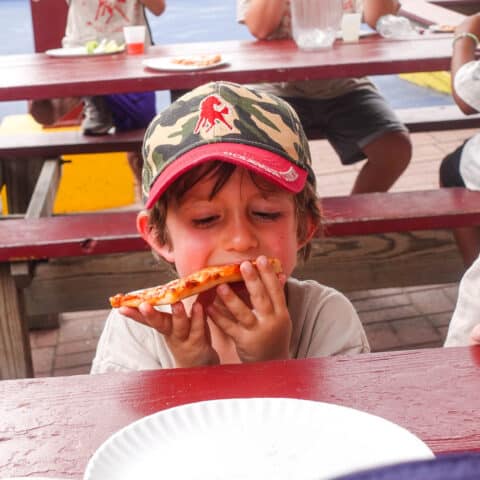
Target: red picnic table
[(52, 426)]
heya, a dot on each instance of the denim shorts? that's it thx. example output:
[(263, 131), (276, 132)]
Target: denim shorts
[(350, 121)]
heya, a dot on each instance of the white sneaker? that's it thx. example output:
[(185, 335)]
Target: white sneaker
[(98, 118)]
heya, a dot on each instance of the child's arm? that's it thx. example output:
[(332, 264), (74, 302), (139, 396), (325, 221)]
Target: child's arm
[(464, 52), (187, 337), (264, 16), (157, 7), (262, 330), (475, 335), (374, 9)]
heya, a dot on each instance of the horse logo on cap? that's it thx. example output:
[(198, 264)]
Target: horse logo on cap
[(212, 110)]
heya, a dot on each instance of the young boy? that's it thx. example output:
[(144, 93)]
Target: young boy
[(228, 178), (355, 118)]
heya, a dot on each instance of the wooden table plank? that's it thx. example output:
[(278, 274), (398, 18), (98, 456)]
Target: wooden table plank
[(33, 76), (53, 425)]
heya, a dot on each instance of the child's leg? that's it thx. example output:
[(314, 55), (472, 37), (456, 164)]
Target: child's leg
[(387, 158), (360, 125), (49, 111), (467, 238), (136, 163)]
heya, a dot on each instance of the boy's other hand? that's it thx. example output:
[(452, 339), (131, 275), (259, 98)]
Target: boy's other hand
[(262, 331), (188, 338)]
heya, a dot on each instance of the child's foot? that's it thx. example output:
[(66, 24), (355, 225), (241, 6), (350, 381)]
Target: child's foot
[(98, 118)]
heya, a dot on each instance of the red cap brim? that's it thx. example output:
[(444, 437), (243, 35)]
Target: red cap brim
[(270, 165)]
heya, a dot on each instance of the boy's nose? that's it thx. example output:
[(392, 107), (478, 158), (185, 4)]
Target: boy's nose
[(240, 236)]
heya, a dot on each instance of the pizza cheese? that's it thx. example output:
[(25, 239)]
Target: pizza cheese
[(181, 288)]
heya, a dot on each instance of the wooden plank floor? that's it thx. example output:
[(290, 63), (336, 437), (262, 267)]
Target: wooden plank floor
[(394, 318)]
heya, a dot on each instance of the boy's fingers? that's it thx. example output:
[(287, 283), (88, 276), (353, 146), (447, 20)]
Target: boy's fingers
[(180, 322), (147, 315), (272, 284), (263, 286), (233, 308), (198, 324)]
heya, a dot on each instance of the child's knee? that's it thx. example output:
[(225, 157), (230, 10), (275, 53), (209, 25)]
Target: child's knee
[(402, 146), (392, 148)]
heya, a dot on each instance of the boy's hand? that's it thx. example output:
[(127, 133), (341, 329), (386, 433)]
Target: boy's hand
[(264, 332), (188, 338)]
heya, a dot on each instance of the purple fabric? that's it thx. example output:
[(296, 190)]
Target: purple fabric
[(131, 111), (447, 467)]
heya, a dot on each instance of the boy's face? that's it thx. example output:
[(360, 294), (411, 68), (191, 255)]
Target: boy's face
[(239, 223)]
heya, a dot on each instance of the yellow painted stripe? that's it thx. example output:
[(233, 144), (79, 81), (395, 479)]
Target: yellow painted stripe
[(439, 81), (89, 182)]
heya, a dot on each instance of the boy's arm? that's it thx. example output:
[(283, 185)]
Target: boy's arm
[(374, 9), (263, 17), (157, 7), (464, 52)]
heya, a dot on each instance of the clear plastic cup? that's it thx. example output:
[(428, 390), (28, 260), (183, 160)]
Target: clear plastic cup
[(315, 22), (351, 26), (135, 39)]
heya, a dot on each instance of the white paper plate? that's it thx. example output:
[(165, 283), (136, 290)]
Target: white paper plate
[(78, 52), (166, 64), (258, 438)]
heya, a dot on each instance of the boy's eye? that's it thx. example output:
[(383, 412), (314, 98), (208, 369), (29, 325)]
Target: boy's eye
[(203, 221), (267, 215)]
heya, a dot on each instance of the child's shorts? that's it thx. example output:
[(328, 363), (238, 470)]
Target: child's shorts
[(349, 122), (132, 111), (450, 175)]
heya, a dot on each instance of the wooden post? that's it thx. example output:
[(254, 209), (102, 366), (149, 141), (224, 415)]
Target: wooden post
[(15, 354)]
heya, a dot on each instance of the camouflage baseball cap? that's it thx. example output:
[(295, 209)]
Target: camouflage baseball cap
[(228, 122)]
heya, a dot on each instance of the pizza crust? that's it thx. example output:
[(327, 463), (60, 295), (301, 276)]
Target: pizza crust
[(181, 288)]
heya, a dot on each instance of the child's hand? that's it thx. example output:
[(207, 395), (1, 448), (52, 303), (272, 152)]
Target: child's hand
[(188, 338), (475, 335), (262, 334)]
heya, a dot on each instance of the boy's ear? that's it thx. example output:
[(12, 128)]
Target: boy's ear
[(146, 231), (311, 230)]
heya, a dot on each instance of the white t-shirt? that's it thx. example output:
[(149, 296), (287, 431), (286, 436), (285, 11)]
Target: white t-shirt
[(328, 88), (95, 20), (467, 310), (324, 323), (467, 86)]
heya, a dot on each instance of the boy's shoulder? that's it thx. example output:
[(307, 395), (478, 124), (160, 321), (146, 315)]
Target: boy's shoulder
[(304, 290)]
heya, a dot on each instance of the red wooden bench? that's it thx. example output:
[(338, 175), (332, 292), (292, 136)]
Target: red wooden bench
[(53, 144), (77, 261)]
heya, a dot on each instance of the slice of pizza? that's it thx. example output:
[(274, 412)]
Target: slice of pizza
[(198, 60), (181, 288)]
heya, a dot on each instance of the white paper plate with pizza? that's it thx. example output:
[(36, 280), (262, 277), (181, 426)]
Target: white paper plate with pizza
[(253, 439), (193, 62)]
